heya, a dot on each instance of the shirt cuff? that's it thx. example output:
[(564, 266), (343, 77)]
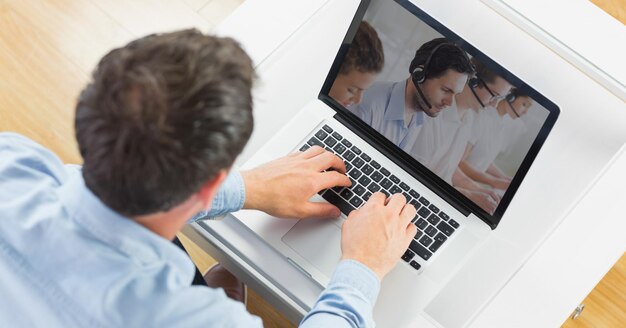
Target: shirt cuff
[(359, 276), (229, 198)]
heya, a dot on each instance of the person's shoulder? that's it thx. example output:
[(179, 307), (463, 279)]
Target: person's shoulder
[(24, 158)]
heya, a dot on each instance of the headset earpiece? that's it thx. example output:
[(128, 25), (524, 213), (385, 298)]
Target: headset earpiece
[(473, 82), (419, 75), (510, 97)]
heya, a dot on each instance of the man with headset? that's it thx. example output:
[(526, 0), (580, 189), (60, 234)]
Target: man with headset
[(438, 72), (441, 143), (493, 133)]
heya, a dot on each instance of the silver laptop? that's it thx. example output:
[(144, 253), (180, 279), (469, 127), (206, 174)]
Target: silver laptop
[(451, 227)]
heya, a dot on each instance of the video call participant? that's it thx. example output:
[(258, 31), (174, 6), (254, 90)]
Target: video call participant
[(441, 143), (438, 71), (493, 136), (363, 62)]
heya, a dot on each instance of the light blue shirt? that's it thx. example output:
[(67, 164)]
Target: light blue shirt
[(67, 260), (382, 107)]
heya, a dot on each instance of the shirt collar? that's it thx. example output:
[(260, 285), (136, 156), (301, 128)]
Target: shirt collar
[(395, 108), (117, 231)]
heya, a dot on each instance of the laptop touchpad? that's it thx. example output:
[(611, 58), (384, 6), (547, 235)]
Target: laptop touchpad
[(317, 241)]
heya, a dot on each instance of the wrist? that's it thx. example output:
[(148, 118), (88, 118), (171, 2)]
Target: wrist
[(380, 274), (249, 192)]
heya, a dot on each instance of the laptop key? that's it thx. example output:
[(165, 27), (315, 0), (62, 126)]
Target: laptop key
[(407, 197), (349, 155), (433, 219), (445, 228), (414, 194), (367, 169), (423, 212), (444, 216), (359, 190), (315, 142), (394, 178), (355, 174), (404, 186), (348, 166), (327, 128), (334, 199), (373, 187), (424, 201), (453, 223), (376, 176), (339, 149), (431, 231), (435, 246), (385, 172), (330, 141), (375, 164), (395, 190), (337, 135), (415, 203), (346, 194), (386, 183), (356, 150), (420, 250), (304, 147), (365, 181), (367, 195), (425, 240), (415, 265), (358, 162), (356, 201), (366, 157), (321, 135), (421, 223), (386, 193), (408, 255), (434, 208), (441, 237), (346, 143)]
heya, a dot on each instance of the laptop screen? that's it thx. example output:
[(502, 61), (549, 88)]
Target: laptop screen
[(450, 115)]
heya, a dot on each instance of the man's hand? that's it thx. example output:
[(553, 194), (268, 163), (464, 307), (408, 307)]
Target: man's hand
[(499, 183), (378, 234), (283, 187)]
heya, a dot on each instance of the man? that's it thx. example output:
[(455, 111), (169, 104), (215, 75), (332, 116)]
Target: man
[(441, 142), (438, 71), (363, 62), (158, 128), (492, 135)]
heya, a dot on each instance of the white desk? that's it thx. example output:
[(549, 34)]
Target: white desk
[(555, 276)]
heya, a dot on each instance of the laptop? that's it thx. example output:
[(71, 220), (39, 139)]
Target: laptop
[(451, 227)]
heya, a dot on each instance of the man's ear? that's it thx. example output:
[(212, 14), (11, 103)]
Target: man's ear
[(209, 189)]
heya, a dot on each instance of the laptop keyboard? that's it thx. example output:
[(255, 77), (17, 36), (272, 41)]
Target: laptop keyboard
[(368, 176)]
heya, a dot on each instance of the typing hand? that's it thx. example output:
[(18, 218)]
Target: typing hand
[(284, 186), (378, 233), (485, 200)]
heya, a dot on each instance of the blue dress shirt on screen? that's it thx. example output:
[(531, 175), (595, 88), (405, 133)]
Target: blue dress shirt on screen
[(67, 260), (382, 107)]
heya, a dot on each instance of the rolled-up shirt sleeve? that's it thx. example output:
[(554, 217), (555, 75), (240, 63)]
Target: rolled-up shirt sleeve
[(349, 299), (229, 198)]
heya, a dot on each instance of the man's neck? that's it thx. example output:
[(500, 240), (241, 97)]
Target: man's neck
[(500, 108), (168, 224), (466, 100), (412, 100)]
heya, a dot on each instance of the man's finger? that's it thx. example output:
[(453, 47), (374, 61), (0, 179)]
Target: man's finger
[(321, 210), (411, 230), (326, 161), (396, 202), (407, 214), (330, 179), (312, 152), (376, 198)]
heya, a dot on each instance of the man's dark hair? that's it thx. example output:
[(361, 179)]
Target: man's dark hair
[(162, 116), (483, 72), (447, 56), (366, 52)]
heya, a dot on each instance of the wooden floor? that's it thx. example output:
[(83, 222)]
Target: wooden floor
[(49, 47)]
